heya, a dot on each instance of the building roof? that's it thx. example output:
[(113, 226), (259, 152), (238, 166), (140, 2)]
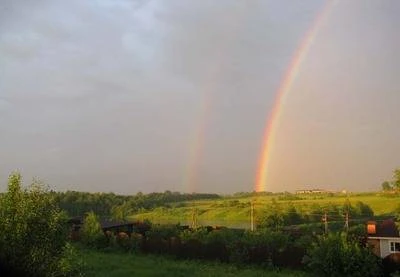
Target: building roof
[(115, 224), (386, 228), (105, 224)]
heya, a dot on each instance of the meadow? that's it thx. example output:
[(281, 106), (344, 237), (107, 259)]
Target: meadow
[(234, 211), (110, 264)]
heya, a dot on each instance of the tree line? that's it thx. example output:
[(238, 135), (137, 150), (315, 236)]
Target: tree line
[(109, 204)]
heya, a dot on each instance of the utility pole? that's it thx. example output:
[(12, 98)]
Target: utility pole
[(325, 220), (252, 215), (194, 218), (346, 224)]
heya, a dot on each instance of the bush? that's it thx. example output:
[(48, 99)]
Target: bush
[(91, 232), (357, 232), (258, 247), (272, 219), (335, 255), (163, 231), (71, 263), (363, 210), (197, 234), (124, 241), (33, 232)]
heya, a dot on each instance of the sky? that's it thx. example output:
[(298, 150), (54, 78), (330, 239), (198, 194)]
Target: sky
[(153, 95)]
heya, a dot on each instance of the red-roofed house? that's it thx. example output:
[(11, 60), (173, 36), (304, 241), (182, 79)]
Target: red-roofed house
[(383, 237)]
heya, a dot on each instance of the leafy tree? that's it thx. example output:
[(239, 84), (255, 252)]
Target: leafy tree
[(357, 232), (386, 186), (33, 232), (273, 219), (79, 203), (397, 212), (335, 256), (92, 234), (395, 185), (292, 216), (396, 177), (259, 246), (121, 212), (363, 209), (315, 213)]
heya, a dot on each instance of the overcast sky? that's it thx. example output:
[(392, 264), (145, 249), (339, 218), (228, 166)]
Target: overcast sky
[(128, 95)]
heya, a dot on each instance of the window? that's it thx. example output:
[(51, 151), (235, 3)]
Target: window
[(394, 246)]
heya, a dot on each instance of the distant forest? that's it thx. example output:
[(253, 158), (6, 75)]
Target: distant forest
[(105, 204)]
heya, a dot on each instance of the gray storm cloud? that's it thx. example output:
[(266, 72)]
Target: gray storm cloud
[(106, 95)]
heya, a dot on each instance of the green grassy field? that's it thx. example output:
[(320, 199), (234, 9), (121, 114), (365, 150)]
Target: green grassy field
[(100, 264), (234, 212)]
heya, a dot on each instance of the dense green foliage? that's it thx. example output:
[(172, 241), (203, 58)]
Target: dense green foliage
[(91, 233), (121, 212), (118, 206), (33, 234), (396, 179), (265, 247), (386, 186), (336, 255)]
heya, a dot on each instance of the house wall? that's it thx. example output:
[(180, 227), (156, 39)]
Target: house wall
[(385, 248), (380, 246), (375, 245)]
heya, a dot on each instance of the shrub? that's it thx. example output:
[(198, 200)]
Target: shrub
[(136, 242), (363, 209), (335, 255), (163, 231), (197, 234), (273, 219), (124, 241), (91, 232), (33, 232), (225, 236), (71, 263), (258, 247), (357, 232)]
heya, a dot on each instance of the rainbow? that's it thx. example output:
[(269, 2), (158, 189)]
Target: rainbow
[(281, 95), (197, 142), (198, 135)]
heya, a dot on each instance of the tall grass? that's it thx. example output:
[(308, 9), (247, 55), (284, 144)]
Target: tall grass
[(102, 264)]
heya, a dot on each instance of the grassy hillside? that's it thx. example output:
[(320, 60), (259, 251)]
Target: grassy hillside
[(235, 211), (99, 264)]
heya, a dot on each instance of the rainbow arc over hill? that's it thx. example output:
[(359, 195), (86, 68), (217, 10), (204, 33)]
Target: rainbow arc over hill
[(272, 122), (283, 90)]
